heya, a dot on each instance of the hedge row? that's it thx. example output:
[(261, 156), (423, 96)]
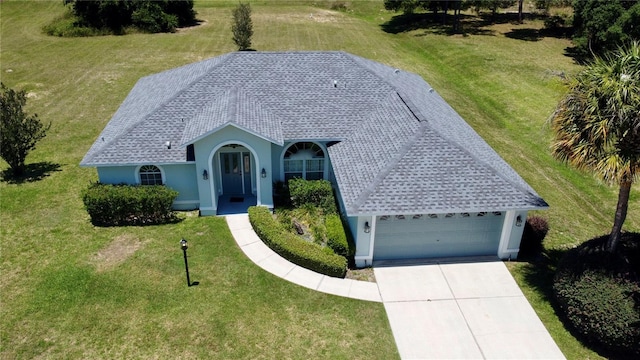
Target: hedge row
[(308, 255), (114, 205), (313, 192), (599, 293), (337, 238)]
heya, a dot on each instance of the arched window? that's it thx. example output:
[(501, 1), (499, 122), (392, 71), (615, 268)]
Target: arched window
[(150, 175), (304, 160)]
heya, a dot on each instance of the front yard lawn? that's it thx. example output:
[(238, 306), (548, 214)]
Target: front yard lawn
[(59, 299)]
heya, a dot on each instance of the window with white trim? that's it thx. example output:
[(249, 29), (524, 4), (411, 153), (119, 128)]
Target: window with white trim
[(150, 175), (304, 160)]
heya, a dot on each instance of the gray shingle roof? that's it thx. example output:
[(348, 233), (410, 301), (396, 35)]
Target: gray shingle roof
[(403, 148)]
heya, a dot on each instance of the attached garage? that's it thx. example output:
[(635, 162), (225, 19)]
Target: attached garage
[(437, 235)]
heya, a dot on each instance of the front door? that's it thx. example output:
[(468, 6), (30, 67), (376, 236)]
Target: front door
[(231, 169)]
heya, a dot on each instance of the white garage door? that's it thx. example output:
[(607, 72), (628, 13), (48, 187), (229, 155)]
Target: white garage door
[(441, 235)]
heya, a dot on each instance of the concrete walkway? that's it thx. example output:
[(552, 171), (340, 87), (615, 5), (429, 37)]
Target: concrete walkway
[(436, 309), (267, 259)]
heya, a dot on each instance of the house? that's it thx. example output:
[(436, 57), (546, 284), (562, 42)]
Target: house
[(412, 178)]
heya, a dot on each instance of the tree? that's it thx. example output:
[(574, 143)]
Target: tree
[(601, 26), (492, 5), (242, 27), (147, 15), (597, 125), (409, 7), (19, 131)]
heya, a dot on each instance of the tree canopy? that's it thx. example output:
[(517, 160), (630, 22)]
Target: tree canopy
[(147, 15), (242, 26), (602, 26), (19, 132), (597, 125)]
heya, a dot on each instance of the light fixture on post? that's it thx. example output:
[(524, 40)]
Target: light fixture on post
[(367, 227), (184, 247), (263, 173), (205, 175), (519, 221)]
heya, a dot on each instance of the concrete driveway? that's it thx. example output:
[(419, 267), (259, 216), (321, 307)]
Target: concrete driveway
[(461, 310)]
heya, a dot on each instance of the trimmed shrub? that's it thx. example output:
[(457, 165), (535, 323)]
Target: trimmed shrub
[(535, 230), (599, 293), (313, 192), (114, 205), (150, 17), (306, 254), (337, 238)]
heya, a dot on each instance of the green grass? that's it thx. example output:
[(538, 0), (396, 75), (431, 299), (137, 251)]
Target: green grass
[(60, 301)]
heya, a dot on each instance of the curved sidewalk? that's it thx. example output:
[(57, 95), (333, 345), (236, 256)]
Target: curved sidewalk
[(267, 259)]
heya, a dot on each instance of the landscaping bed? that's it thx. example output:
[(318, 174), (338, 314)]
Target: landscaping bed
[(599, 294), (306, 228)]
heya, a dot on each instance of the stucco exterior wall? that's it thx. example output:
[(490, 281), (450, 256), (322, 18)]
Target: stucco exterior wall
[(205, 154), (117, 175), (183, 178), (363, 240), (512, 234), (180, 177), (276, 163), (516, 234)]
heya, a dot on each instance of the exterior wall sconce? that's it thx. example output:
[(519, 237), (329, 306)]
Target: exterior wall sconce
[(263, 173), (367, 227), (205, 175), (519, 221)]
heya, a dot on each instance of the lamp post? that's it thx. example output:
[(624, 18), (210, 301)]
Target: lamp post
[(183, 245)]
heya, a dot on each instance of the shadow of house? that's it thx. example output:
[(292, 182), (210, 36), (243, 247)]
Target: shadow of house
[(33, 172)]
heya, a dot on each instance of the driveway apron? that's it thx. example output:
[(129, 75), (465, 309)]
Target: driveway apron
[(461, 310)]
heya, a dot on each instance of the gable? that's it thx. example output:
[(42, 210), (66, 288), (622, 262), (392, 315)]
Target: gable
[(233, 107), (402, 147)]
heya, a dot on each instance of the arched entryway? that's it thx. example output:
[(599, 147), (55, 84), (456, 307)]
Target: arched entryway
[(234, 186)]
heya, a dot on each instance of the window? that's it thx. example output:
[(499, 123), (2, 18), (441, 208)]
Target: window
[(150, 175), (304, 160)]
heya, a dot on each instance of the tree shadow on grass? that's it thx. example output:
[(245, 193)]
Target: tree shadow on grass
[(532, 34), (525, 34), (440, 24), (432, 23), (33, 172)]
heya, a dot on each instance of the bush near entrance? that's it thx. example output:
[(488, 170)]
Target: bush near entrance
[(115, 205), (599, 293), (313, 192), (306, 254)]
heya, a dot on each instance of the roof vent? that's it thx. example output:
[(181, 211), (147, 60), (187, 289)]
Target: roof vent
[(103, 138), (430, 90), (335, 83), (396, 71), (168, 144)]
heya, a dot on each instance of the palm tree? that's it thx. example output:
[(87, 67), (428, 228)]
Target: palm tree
[(597, 125)]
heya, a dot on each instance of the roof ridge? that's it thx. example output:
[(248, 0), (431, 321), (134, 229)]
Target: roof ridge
[(386, 170), (357, 60), (127, 129), (484, 162), (236, 97)]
